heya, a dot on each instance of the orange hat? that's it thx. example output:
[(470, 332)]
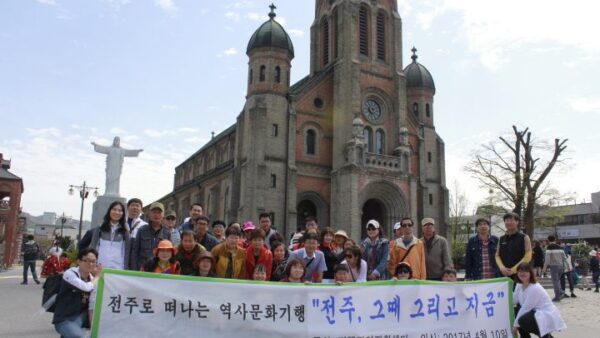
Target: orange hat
[(165, 245)]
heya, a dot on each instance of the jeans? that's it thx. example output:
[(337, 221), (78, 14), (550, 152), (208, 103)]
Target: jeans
[(569, 276), (29, 265), (72, 326), (555, 272), (595, 276)]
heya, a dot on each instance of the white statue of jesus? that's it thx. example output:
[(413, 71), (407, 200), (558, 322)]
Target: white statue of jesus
[(114, 164)]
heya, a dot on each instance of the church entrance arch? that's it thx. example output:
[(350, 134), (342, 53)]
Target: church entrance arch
[(385, 202), (305, 209), (311, 204), (372, 209)]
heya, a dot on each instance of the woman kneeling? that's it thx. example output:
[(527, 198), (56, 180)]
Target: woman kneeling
[(537, 314)]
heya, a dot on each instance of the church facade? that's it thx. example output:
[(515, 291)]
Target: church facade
[(353, 140)]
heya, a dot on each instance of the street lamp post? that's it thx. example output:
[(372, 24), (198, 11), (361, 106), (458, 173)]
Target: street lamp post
[(84, 191), (63, 220)]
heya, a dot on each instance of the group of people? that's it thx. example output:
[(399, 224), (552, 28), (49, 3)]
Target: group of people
[(260, 252)]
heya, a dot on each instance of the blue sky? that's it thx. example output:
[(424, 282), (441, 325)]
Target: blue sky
[(164, 74)]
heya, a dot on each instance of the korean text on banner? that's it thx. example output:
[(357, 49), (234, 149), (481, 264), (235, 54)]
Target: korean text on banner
[(148, 305)]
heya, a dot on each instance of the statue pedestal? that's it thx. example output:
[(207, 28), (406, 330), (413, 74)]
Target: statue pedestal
[(101, 206)]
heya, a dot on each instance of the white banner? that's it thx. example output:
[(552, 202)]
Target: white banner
[(137, 304)]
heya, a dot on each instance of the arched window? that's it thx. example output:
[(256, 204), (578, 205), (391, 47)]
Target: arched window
[(379, 141), (427, 110), (368, 137), (363, 26), (325, 37), (262, 73), (416, 109), (311, 142), (381, 36), (277, 74), (250, 76)]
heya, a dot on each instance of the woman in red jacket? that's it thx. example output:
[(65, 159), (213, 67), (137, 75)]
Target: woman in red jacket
[(257, 253)]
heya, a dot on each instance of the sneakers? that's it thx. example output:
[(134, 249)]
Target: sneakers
[(23, 283), (572, 295), (564, 295), (37, 281), (556, 299)]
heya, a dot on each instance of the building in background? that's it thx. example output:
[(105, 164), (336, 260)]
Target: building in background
[(11, 189), (572, 222), (353, 140)]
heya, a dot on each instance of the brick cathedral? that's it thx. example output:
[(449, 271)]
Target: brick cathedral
[(353, 140)]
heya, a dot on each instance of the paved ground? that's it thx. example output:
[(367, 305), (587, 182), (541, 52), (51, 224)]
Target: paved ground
[(21, 314), (20, 307)]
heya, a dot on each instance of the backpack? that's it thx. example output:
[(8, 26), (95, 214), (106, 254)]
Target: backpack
[(51, 288), (31, 249)]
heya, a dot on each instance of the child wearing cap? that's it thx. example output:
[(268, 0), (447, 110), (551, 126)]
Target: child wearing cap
[(205, 265), (403, 272), (164, 260), (247, 229)]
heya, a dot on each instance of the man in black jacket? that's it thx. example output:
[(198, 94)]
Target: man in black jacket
[(148, 236), (31, 252)]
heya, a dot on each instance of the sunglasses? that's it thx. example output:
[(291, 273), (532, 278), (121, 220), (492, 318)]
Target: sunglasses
[(371, 229), (405, 225), (403, 271)]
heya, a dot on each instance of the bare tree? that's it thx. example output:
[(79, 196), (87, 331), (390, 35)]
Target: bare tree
[(510, 167), (458, 210)]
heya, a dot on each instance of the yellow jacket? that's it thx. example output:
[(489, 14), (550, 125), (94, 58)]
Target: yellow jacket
[(221, 255), (416, 257)]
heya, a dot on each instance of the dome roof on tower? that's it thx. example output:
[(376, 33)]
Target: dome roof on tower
[(417, 76), (271, 34)]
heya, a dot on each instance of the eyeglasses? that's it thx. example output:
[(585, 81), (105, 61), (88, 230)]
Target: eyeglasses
[(89, 261), (406, 225)]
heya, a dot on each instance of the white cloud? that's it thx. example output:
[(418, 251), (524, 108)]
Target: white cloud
[(585, 104), (43, 132), (230, 51), (196, 140), (70, 159), (232, 15), (117, 4), (187, 130), (296, 32), (169, 106), (282, 21), (496, 30), (155, 133), (241, 4), (47, 2), (166, 5), (254, 16), (117, 131)]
